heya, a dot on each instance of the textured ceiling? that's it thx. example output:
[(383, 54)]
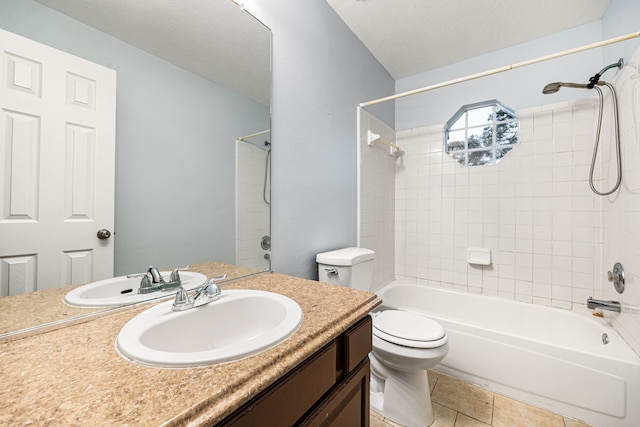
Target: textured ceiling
[(212, 39), (412, 36)]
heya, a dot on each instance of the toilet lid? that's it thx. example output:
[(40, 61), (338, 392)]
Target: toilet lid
[(408, 329)]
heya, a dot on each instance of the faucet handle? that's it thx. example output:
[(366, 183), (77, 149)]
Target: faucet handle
[(212, 291), (216, 279), (617, 277), (175, 274), (146, 282), (182, 300), (134, 275), (209, 292)]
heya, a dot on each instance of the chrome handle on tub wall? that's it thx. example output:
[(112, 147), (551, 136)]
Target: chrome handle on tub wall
[(617, 277), (265, 243)]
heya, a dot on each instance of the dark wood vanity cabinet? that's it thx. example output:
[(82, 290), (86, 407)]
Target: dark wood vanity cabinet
[(331, 388)]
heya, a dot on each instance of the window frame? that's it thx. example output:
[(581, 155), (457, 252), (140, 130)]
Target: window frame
[(496, 150)]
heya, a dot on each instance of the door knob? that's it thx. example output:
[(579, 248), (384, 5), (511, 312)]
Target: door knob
[(104, 234)]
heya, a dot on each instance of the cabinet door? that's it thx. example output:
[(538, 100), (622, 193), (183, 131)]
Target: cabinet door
[(347, 405), (289, 399), (357, 344)]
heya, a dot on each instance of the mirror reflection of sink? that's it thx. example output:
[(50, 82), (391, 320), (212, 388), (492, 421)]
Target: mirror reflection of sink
[(241, 323), (122, 290)]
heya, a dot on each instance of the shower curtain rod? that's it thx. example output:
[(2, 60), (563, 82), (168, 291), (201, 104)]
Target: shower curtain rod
[(503, 69), (243, 138)]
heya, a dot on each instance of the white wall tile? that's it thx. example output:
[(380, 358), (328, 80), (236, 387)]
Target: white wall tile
[(382, 215)]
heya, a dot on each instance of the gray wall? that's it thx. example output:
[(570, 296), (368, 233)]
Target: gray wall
[(621, 18), (321, 73), (174, 145)]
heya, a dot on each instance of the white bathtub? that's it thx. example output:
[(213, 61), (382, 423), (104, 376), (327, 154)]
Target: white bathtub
[(551, 358)]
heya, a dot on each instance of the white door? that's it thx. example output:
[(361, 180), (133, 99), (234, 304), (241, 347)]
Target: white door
[(57, 163)]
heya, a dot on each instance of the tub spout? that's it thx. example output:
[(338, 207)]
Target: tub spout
[(593, 303)]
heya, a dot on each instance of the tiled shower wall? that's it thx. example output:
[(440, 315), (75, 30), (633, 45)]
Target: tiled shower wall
[(252, 213), (376, 198), (621, 211), (534, 211), (551, 239)]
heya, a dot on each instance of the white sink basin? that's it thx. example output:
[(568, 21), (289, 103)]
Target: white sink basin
[(239, 324), (122, 290)]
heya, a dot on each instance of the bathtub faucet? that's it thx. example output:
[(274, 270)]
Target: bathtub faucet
[(593, 303)]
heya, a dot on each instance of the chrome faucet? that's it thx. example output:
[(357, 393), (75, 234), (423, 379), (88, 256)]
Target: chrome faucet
[(206, 294), (152, 280), (155, 274), (593, 303)]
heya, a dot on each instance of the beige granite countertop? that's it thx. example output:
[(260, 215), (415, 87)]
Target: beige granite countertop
[(74, 376), (47, 306)]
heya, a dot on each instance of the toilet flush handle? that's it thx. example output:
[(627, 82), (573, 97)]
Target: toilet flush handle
[(331, 270)]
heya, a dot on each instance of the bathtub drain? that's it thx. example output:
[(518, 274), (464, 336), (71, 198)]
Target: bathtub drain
[(605, 338)]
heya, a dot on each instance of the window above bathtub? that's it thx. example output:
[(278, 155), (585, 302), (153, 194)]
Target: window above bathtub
[(481, 134)]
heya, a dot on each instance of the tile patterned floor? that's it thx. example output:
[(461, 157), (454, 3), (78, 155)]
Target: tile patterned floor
[(460, 404)]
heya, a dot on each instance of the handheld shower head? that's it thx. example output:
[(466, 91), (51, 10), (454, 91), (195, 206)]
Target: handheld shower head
[(595, 80), (551, 88), (554, 87)]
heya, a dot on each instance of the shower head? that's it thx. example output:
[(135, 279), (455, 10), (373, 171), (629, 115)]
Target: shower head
[(554, 87), (595, 80), (551, 88)]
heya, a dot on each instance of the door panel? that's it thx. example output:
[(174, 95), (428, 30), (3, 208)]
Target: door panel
[(20, 165), (18, 274)]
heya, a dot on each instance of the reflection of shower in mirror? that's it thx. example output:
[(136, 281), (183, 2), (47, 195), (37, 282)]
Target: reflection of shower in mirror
[(267, 174), (253, 199), (266, 145)]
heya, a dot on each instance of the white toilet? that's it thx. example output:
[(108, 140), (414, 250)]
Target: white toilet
[(405, 344)]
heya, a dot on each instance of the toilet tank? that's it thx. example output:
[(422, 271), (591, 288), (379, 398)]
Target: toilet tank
[(351, 267)]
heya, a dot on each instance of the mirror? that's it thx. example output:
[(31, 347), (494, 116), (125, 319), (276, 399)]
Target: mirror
[(192, 113)]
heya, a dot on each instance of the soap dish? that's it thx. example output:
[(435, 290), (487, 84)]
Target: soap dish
[(479, 256)]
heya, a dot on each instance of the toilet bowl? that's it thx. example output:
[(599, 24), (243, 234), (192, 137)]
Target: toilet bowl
[(405, 345)]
